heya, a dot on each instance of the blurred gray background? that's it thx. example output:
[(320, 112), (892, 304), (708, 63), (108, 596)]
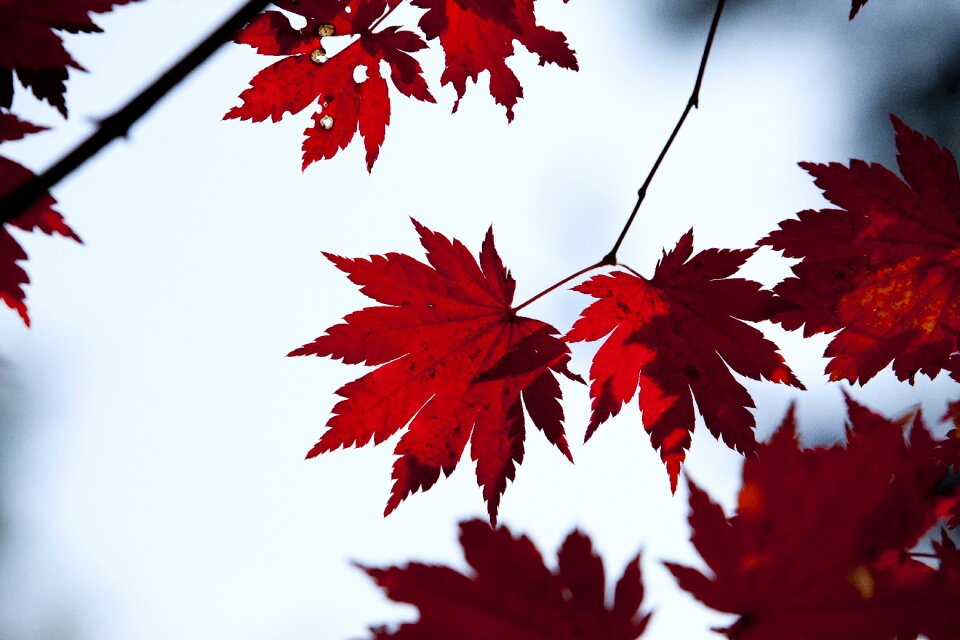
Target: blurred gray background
[(903, 58)]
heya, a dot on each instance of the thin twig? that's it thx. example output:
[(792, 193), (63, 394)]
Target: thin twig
[(693, 102), (559, 284), (117, 125)]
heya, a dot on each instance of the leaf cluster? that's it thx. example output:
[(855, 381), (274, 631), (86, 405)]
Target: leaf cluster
[(825, 543)]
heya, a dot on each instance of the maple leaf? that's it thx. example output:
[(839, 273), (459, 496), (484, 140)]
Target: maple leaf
[(513, 595), (856, 6), (39, 217), (30, 46), (944, 588), (478, 36), (884, 267), (950, 454), (349, 88), (676, 336), (817, 548), (345, 17), (453, 356)]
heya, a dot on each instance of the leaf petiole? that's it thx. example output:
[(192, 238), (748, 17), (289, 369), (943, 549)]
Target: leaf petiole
[(557, 285)]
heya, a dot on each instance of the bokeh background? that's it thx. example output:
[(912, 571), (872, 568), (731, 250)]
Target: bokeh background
[(152, 431)]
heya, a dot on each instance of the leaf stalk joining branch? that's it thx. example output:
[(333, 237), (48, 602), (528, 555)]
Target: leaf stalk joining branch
[(693, 102)]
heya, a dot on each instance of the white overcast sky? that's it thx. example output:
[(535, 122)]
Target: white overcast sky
[(154, 474)]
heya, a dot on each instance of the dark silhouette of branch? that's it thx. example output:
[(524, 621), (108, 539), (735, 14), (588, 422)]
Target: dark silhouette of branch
[(611, 258), (693, 102), (118, 124)]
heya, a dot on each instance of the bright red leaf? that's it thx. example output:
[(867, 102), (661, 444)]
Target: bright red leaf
[(30, 45), (818, 547), (883, 268), (39, 217), (676, 336), (512, 595), (347, 17), (347, 89), (453, 360), (478, 36)]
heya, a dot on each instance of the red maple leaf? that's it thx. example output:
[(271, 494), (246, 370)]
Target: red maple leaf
[(883, 268), (674, 336), (30, 46), (950, 454), (819, 544), (348, 88), (478, 36), (513, 595), (945, 587), (453, 361), (856, 6), (39, 217)]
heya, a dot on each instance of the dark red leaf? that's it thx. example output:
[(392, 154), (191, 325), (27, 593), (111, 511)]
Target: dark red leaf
[(478, 36), (883, 268), (345, 16), (452, 356), (348, 88), (512, 595), (817, 548), (855, 7), (13, 128), (271, 34), (6, 88), (677, 336), (950, 455), (405, 71), (30, 46), (943, 591), (39, 217)]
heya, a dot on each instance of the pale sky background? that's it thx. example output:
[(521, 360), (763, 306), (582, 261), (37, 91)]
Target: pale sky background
[(155, 486)]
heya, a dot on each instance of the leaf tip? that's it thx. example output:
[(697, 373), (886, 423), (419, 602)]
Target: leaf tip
[(420, 228)]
